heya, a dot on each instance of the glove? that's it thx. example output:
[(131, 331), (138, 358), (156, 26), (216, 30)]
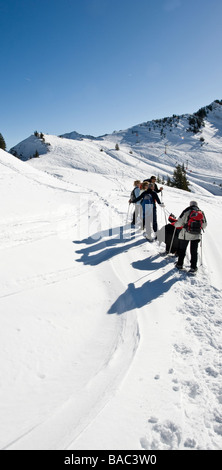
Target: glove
[(162, 204)]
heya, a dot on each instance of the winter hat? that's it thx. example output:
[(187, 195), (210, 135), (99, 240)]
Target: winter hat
[(193, 203)]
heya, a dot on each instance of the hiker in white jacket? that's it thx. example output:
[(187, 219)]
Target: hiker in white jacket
[(190, 234)]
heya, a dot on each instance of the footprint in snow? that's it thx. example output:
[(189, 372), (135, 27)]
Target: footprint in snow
[(163, 436), (182, 349), (152, 419), (212, 372), (190, 443)]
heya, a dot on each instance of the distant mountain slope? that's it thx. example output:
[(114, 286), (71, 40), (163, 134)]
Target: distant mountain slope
[(151, 147), (76, 136), (32, 147)]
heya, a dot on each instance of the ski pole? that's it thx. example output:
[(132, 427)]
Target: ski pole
[(163, 208), (127, 216), (171, 244), (201, 250)]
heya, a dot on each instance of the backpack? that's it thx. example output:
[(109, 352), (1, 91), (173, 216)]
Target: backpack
[(148, 199), (147, 204), (132, 195), (195, 222)]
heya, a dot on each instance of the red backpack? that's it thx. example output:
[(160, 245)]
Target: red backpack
[(195, 222)]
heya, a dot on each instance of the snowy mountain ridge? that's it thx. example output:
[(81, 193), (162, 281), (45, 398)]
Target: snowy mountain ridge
[(159, 143), (193, 123)]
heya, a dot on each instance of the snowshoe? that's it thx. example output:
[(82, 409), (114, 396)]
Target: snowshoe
[(192, 271), (179, 267), (149, 239)]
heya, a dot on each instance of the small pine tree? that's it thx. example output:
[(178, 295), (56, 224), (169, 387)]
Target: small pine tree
[(2, 142), (117, 146), (36, 154), (179, 178)]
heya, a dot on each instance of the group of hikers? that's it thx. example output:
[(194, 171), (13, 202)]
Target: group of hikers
[(178, 232)]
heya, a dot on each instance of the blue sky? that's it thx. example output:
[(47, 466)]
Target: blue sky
[(95, 66)]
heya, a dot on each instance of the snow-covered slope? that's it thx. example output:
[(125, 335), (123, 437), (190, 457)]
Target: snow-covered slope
[(104, 345), (160, 143), (31, 147)]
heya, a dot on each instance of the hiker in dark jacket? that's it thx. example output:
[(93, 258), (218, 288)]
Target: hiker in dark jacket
[(185, 237), (137, 211), (153, 180), (149, 199)]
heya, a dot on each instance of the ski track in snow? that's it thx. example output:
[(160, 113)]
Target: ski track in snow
[(27, 231)]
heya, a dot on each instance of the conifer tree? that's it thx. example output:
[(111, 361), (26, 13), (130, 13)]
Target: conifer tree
[(2, 142), (180, 179)]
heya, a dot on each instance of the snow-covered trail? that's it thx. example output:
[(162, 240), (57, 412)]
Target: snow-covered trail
[(103, 343), (176, 369), (177, 365)]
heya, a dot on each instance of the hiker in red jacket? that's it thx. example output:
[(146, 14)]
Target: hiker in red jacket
[(169, 235)]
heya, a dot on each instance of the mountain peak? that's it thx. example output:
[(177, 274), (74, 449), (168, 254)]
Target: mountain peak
[(76, 136)]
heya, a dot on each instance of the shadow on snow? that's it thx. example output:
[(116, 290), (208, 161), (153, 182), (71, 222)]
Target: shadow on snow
[(119, 240), (137, 297), (106, 244)]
